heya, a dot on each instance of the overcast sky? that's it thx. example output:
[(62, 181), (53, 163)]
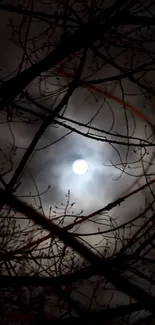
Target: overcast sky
[(53, 165), (113, 170)]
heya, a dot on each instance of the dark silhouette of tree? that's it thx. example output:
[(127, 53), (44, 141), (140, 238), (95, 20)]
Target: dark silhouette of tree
[(50, 271)]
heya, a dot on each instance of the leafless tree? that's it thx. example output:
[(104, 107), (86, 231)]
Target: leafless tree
[(50, 270)]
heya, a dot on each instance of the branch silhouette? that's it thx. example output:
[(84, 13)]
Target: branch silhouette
[(112, 275)]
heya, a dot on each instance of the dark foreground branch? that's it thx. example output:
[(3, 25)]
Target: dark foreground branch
[(100, 317), (112, 275)]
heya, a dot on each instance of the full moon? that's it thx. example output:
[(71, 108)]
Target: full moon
[(80, 167)]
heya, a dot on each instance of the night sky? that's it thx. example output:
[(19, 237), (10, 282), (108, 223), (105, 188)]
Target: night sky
[(114, 169), (52, 166)]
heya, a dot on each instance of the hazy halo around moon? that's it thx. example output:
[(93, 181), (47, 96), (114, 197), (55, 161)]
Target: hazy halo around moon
[(79, 167)]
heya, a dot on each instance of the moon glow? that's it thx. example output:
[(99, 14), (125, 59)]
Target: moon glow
[(79, 167)]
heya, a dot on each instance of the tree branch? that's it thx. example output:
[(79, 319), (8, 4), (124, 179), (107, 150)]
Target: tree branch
[(112, 275)]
